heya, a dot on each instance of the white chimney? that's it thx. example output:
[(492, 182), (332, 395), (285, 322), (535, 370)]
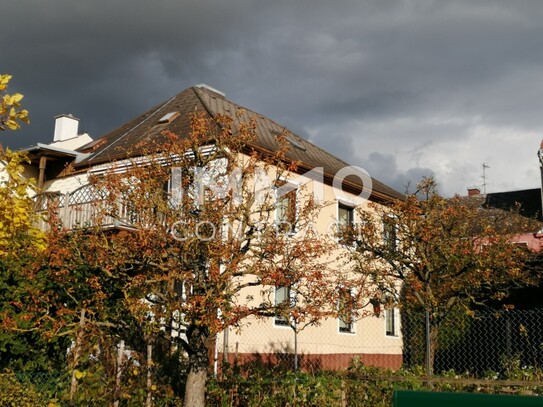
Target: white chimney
[(66, 127)]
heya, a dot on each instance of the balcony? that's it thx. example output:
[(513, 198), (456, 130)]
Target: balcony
[(84, 207)]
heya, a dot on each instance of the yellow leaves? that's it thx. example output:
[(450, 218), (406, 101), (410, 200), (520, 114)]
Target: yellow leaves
[(4, 80), (13, 99), (11, 113), (79, 374), (17, 217)]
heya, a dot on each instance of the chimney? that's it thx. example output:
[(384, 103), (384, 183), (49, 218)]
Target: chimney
[(473, 191), (66, 127)]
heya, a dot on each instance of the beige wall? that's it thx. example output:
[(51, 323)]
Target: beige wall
[(369, 334)]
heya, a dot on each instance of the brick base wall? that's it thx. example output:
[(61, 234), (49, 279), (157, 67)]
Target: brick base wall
[(336, 361)]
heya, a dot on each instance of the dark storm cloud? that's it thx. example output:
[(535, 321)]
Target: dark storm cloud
[(384, 165), (347, 74)]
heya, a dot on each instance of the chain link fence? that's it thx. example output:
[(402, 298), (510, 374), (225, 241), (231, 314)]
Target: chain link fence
[(482, 344), (476, 343)]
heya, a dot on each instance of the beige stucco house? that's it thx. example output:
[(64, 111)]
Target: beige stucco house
[(62, 168)]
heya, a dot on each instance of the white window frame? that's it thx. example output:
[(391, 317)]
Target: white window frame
[(394, 311), (278, 320), (293, 187)]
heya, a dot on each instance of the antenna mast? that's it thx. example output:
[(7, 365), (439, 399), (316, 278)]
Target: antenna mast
[(484, 177)]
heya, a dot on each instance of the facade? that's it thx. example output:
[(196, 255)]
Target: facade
[(63, 167)]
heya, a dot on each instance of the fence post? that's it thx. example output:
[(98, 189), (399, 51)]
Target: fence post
[(508, 337), (149, 399), (295, 349), (428, 344)]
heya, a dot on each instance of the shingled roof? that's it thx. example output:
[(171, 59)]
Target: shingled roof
[(146, 127)]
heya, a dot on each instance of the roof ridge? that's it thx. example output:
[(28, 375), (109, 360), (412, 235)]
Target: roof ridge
[(207, 108)]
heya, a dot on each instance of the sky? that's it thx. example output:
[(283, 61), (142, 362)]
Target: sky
[(402, 88)]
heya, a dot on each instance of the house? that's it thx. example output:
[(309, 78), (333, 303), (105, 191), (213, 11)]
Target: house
[(64, 166), (526, 203)]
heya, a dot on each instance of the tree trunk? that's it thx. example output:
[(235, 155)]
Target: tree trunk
[(195, 387)]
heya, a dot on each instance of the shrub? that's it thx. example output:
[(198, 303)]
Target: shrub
[(17, 394)]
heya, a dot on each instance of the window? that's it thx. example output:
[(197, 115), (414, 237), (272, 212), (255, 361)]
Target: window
[(345, 216), (345, 220), (390, 233), (345, 314), (390, 321), (286, 208), (282, 300)]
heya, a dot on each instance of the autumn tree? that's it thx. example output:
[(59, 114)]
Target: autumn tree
[(20, 242), (193, 236), (442, 254), (16, 214)]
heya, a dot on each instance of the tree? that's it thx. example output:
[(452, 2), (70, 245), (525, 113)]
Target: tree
[(16, 214), (196, 246), (20, 241), (443, 254)]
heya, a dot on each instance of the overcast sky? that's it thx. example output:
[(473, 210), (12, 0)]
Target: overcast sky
[(402, 88)]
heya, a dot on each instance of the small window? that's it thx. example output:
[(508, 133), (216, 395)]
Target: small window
[(295, 143), (345, 216), (180, 289), (168, 117), (282, 300), (390, 237), (390, 321), (286, 208), (346, 311)]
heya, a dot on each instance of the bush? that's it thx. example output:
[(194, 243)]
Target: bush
[(17, 394), (359, 386)]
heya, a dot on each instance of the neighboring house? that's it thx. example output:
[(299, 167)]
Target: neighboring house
[(63, 167), (528, 204), (525, 203)]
